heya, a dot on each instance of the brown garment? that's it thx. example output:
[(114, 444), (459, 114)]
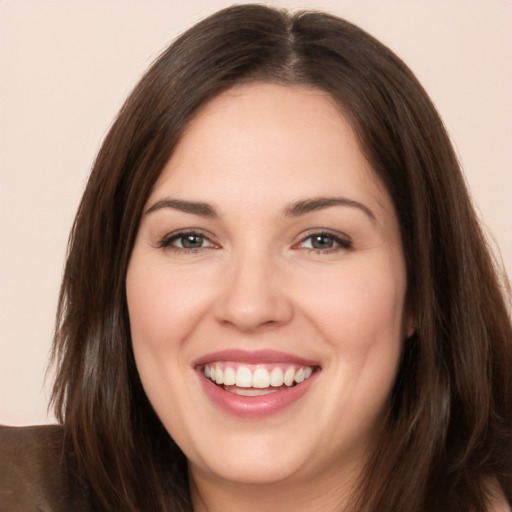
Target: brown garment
[(33, 473)]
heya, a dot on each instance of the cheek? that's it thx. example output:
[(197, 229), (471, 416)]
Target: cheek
[(162, 312), (360, 316), (163, 307), (358, 307)]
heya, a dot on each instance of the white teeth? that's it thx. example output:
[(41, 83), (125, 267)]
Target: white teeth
[(277, 377), (289, 376), (258, 378), (229, 376), (219, 376), (243, 377)]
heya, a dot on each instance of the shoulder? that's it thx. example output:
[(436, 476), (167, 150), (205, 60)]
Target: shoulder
[(33, 471)]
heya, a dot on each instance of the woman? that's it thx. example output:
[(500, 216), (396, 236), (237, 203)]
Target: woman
[(277, 293)]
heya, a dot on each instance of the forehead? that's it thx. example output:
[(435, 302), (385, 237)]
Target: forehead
[(261, 138)]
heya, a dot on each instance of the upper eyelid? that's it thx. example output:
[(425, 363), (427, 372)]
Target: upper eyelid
[(169, 237), (341, 240), (326, 232), (188, 231)]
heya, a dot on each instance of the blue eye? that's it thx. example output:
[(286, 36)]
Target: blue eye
[(187, 241), (325, 242), (190, 241)]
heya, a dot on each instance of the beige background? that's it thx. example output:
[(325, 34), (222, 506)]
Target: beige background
[(66, 66)]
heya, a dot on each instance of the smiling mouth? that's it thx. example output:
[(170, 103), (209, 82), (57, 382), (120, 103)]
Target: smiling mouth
[(256, 379)]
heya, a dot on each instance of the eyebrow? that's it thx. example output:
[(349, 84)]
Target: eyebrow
[(194, 207), (303, 207), (296, 209)]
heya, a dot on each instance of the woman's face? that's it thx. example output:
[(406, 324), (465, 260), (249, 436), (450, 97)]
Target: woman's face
[(269, 259)]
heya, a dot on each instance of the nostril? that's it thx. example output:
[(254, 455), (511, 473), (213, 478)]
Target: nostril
[(250, 313)]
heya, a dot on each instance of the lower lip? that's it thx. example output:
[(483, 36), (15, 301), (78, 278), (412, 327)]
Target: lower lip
[(255, 407)]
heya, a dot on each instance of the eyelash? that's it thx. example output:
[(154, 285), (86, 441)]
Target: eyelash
[(167, 242), (339, 243)]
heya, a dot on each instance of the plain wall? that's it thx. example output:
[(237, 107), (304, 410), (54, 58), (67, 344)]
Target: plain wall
[(66, 67)]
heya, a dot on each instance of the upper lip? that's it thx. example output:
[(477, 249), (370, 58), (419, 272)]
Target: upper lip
[(253, 357)]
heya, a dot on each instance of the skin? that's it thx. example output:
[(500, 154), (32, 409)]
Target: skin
[(255, 282)]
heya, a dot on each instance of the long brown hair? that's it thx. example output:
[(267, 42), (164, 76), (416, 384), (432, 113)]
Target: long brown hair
[(448, 431)]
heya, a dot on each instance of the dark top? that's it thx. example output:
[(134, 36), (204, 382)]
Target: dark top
[(34, 476)]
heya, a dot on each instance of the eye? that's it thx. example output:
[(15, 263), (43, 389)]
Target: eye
[(325, 242), (186, 241)]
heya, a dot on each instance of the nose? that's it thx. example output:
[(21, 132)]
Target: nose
[(253, 294)]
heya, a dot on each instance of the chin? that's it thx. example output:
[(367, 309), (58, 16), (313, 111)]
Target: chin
[(250, 458), (241, 470)]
